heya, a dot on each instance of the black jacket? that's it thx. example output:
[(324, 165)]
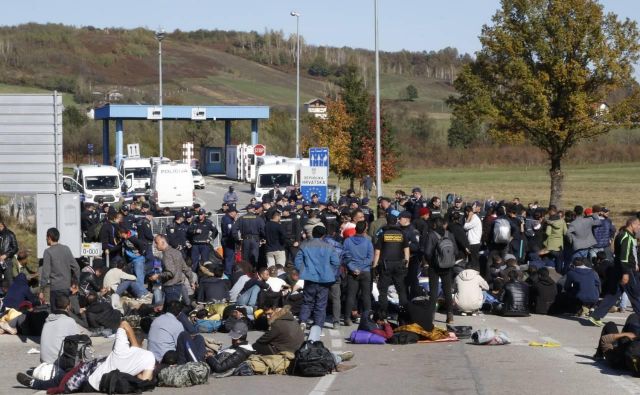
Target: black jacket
[(516, 299), (8, 243), (101, 314), (213, 289), (462, 242), (542, 295), (89, 282), (225, 360)]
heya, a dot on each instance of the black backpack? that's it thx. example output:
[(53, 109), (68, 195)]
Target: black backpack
[(632, 356), (313, 359), (75, 349)]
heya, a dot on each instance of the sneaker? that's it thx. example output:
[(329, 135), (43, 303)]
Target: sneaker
[(613, 309), (596, 322), (344, 367), (303, 326), (25, 380), (346, 355)]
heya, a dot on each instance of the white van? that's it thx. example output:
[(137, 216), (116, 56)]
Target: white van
[(172, 185), (285, 175), (137, 175), (99, 183)]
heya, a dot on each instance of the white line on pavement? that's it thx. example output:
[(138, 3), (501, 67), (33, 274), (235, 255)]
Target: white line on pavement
[(624, 383), (336, 343), (334, 332), (572, 350), (529, 329), (549, 339), (511, 320), (323, 385)]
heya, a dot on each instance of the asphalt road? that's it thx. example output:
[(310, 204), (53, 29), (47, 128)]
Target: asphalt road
[(211, 196), (447, 368)]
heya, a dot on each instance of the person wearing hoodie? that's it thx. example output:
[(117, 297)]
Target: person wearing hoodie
[(542, 292), (57, 326), (311, 223), (284, 333), (358, 256), (555, 230), (469, 296), (18, 292), (582, 286), (317, 262)]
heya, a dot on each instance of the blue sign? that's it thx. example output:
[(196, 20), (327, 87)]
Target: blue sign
[(90, 148), (309, 191), (319, 157)]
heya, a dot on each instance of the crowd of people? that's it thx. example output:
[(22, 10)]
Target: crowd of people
[(290, 266)]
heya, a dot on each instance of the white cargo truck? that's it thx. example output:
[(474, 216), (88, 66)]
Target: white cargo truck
[(172, 186)]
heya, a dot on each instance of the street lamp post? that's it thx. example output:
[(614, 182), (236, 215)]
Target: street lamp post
[(160, 35), (297, 15), (378, 147)]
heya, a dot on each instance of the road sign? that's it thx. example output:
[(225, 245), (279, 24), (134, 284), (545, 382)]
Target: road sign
[(319, 157), (90, 148), (259, 150), (133, 150), (314, 180), (91, 249)]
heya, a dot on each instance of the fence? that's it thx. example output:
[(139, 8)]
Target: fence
[(159, 225)]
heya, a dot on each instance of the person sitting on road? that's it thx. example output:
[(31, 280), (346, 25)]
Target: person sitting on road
[(19, 292), (100, 314), (230, 358), (612, 345), (247, 273), (213, 288), (57, 326), (284, 333), (582, 286), (469, 286), (542, 292), (116, 280), (515, 297), (252, 288)]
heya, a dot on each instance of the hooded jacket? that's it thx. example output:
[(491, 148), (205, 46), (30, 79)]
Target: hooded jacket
[(469, 285), (358, 253), (19, 292), (284, 333), (317, 261), (311, 223), (584, 284), (543, 293), (555, 231), (57, 326)]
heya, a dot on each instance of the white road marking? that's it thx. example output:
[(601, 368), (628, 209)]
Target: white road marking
[(572, 350), (549, 339), (511, 320), (334, 332), (529, 329), (323, 385), (336, 343), (624, 383)]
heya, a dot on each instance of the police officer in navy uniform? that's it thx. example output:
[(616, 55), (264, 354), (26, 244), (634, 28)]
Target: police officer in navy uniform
[(145, 233), (391, 259), (290, 222), (89, 219), (416, 202), (202, 232), (249, 230), (366, 210), (177, 234), (415, 260), (329, 218), (127, 217), (228, 241)]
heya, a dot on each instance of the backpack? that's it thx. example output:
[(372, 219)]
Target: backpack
[(501, 231), (445, 252), (75, 349), (117, 382), (94, 232), (313, 359), (187, 375), (491, 337)]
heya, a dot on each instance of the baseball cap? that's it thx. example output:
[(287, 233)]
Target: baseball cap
[(305, 204), (178, 216), (424, 211), (238, 330), (588, 211), (146, 205), (365, 200), (232, 209), (124, 207), (202, 211), (405, 214), (458, 199), (416, 189), (385, 199), (258, 206)]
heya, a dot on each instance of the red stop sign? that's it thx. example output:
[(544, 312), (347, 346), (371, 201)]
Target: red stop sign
[(259, 150)]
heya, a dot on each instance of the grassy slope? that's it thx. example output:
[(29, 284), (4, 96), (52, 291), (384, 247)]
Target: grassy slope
[(67, 98)]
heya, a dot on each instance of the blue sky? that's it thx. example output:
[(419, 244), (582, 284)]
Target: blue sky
[(404, 24)]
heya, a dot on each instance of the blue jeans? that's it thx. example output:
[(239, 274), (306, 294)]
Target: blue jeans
[(138, 270), (632, 289), (172, 292), (132, 287), (229, 260), (250, 296), (158, 295), (199, 254), (316, 296)]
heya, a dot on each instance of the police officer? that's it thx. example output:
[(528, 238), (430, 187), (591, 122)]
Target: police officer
[(128, 219), (413, 237), (228, 241), (89, 219), (458, 207), (416, 202), (202, 232), (391, 258), (145, 233), (329, 219), (177, 235), (366, 210), (249, 230), (290, 222)]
